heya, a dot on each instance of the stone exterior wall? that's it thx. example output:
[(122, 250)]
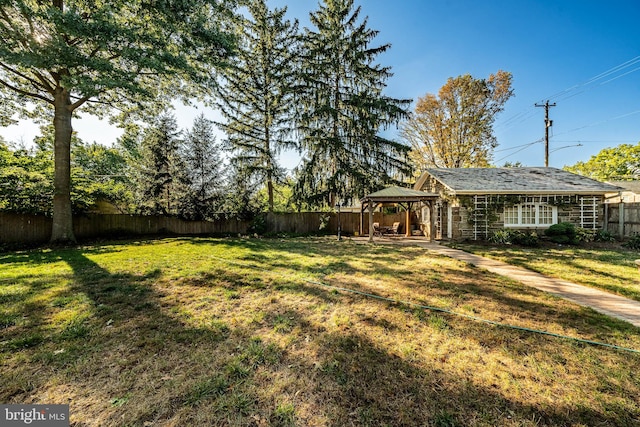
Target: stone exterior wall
[(569, 210), (463, 228)]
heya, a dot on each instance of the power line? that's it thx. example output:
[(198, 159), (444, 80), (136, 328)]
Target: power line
[(522, 149), (528, 113), (518, 146), (601, 122), (600, 76), (596, 140)]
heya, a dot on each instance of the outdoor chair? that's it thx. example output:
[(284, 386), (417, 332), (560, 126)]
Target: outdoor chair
[(376, 229), (395, 229)]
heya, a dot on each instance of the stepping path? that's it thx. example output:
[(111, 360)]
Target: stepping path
[(603, 302)]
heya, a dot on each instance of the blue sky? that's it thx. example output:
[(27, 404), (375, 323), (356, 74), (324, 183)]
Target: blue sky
[(556, 50)]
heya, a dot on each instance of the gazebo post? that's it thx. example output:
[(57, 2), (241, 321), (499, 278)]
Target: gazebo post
[(407, 221), (432, 221), (370, 221)]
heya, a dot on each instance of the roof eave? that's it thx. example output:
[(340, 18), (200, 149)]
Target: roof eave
[(400, 198), (531, 193)]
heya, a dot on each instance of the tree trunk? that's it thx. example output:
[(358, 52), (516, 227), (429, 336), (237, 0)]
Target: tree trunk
[(62, 230), (269, 165)]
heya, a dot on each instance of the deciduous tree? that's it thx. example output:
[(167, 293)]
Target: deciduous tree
[(25, 181), (455, 128), (66, 54), (621, 163)]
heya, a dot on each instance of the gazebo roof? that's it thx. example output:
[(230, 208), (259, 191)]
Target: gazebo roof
[(398, 194)]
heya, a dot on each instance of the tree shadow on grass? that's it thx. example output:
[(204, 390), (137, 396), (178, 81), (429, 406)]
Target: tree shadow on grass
[(353, 381), (465, 282), (136, 362)]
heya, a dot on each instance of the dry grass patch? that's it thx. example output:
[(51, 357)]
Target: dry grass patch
[(242, 332)]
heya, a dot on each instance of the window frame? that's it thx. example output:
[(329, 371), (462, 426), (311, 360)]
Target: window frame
[(538, 215)]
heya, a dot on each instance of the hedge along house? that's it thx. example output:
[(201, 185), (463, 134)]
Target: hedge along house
[(475, 202)]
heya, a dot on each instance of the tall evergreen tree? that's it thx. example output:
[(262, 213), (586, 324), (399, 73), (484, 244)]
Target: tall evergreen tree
[(241, 200), (258, 94), (202, 159), (161, 181), (343, 109)]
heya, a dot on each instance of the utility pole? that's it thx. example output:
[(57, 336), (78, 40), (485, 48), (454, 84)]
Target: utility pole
[(547, 124)]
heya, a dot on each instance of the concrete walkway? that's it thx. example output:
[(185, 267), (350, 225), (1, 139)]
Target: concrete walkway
[(603, 302)]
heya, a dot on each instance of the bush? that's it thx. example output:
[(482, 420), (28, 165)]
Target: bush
[(594, 235), (564, 233), (586, 234), (633, 242), (605, 236), (508, 237), (529, 238), (258, 224), (502, 237)]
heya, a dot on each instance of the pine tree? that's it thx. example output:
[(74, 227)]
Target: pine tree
[(343, 109), (161, 183), (241, 200), (257, 95), (202, 159)]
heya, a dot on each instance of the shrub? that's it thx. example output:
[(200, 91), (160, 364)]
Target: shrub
[(508, 237), (529, 238), (564, 233), (258, 224), (586, 234), (605, 236), (633, 242), (501, 237), (594, 235)]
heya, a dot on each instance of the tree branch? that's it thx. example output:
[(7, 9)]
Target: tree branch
[(47, 84), (34, 82), (25, 93), (79, 102)]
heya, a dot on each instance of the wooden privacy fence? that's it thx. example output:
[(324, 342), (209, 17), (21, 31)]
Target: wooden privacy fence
[(622, 219), (37, 229), (30, 229)]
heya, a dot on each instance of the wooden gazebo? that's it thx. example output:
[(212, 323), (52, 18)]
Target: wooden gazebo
[(404, 197)]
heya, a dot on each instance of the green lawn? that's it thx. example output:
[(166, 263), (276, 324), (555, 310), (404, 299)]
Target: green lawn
[(612, 270), (246, 332)]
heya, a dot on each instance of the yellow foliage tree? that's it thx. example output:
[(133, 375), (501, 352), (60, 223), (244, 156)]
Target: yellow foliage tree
[(455, 128)]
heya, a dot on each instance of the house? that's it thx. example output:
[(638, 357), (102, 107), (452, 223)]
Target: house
[(475, 202), (630, 192)]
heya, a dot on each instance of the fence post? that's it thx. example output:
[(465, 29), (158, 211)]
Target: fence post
[(621, 219)]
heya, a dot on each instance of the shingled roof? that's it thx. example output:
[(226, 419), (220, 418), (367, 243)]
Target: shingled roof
[(534, 180), (398, 194), (633, 186)]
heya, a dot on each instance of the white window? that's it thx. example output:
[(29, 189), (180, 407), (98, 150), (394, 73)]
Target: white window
[(530, 215)]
